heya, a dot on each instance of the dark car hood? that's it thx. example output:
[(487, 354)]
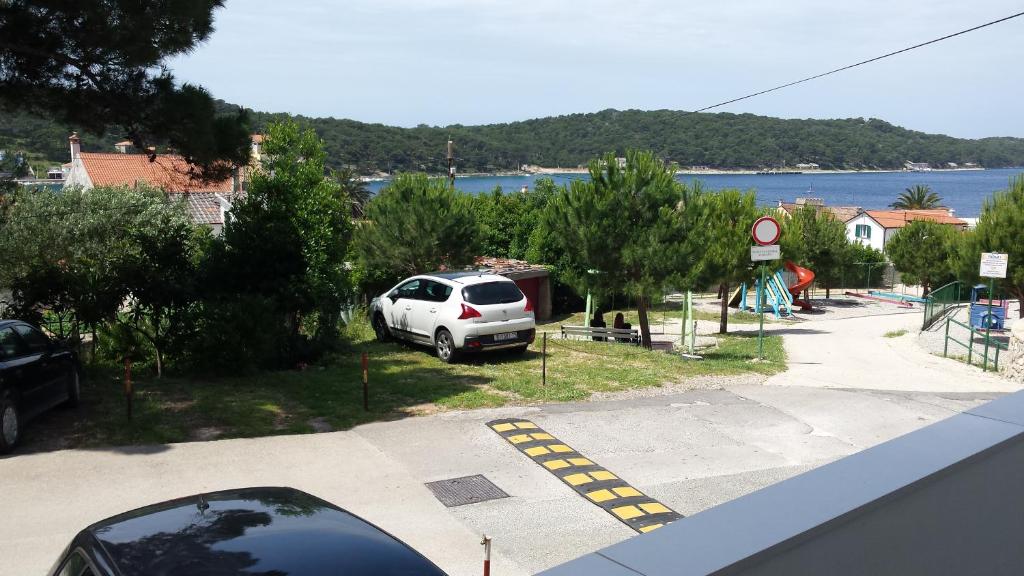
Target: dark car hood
[(253, 532)]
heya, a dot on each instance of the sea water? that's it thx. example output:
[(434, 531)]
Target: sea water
[(962, 190)]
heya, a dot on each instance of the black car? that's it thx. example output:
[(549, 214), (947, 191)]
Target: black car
[(246, 532), (36, 374)]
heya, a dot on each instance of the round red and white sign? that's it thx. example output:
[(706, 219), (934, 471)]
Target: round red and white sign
[(766, 230)]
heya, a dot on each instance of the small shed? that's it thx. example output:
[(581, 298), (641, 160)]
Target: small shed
[(533, 279)]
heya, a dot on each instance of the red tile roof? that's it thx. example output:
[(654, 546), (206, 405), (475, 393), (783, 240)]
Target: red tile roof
[(900, 218), (203, 207), (167, 172)]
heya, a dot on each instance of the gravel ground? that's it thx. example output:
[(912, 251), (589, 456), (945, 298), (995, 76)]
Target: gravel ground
[(839, 306), (933, 339), (694, 383)]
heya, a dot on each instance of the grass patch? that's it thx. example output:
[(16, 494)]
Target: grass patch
[(659, 313), (895, 333), (404, 380)]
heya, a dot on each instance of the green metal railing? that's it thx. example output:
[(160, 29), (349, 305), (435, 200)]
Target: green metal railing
[(988, 341), (940, 300)]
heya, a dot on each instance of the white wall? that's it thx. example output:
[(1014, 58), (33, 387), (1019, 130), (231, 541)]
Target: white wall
[(878, 238), (77, 176)]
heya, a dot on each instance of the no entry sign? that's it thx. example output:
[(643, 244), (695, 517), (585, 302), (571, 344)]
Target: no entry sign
[(766, 230)]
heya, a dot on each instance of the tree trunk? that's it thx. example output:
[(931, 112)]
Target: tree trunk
[(645, 325), (159, 362), (723, 323), (1019, 293), (828, 290)]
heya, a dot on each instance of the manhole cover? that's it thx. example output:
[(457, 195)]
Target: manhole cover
[(465, 490)]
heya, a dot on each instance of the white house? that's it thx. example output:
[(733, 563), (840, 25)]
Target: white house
[(875, 227)]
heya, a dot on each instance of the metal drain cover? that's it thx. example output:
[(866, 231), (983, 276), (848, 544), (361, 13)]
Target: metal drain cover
[(465, 490)]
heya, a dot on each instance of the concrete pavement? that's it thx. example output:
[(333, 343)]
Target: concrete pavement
[(848, 388)]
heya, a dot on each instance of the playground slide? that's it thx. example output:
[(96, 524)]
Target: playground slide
[(737, 295), (804, 277)]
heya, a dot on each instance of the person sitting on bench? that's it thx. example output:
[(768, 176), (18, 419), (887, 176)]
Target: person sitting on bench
[(598, 322), (621, 324)]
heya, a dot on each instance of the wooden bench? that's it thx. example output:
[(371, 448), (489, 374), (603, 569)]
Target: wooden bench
[(625, 335)]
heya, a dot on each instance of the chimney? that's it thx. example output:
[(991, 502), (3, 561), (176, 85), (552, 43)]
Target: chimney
[(76, 146)]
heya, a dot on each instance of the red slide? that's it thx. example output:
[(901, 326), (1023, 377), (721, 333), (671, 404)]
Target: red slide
[(804, 277)]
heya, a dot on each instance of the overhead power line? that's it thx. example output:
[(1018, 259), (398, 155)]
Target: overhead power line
[(870, 60)]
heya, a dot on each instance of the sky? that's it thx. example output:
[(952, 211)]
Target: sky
[(442, 62)]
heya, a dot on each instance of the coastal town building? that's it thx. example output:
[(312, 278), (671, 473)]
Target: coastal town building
[(917, 166), (874, 228), (807, 166), (207, 202)]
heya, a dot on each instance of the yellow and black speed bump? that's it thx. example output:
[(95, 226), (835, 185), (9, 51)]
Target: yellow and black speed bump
[(635, 509)]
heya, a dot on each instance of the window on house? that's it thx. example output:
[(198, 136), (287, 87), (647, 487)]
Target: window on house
[(863, 231)]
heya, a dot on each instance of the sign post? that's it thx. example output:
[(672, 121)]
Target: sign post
[(993, 265), (766, 232)]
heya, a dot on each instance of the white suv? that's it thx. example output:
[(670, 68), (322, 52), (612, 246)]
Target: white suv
[(455, 312)]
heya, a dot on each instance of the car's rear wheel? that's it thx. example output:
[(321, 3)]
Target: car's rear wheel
[(445, 345), (519, 350), (380, 328), (74, 389), (10, 425)]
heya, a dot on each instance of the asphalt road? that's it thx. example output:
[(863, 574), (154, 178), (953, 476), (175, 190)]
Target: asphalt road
[(848, 388)]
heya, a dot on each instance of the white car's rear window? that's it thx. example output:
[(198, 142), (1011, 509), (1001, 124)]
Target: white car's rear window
[(492, 293)]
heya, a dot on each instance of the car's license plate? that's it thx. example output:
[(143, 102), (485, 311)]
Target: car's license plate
[(506, 336)]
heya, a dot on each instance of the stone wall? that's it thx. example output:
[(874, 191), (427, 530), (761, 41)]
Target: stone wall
[(1013, 368)]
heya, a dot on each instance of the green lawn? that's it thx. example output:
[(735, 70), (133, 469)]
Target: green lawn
[(403, 380), (895, 333)]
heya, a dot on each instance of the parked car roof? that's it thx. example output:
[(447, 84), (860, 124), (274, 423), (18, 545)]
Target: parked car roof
[(252, 531), (469, 277)]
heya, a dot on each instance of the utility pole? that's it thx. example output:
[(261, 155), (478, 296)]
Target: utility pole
[(451, 162)]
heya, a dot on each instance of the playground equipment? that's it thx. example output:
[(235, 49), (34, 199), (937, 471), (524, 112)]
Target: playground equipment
[(899, 297), (780, 297), (981, 317)]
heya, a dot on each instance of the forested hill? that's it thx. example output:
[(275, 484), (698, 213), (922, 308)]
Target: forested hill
[(714, 140)]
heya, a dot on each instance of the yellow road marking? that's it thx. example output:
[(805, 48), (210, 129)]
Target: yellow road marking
[(627, 512), (627, 491), (600, 495), (533, 441), (654, 508), (577, 479)]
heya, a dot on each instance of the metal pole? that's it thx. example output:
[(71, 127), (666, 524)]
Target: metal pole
[(366, 382), (544, 359), (988, 322), (487, 555), (760, 332), (945, 343)]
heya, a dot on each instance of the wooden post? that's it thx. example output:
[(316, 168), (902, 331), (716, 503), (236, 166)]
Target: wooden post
[(128, 391), (544, 359), (366, 382)]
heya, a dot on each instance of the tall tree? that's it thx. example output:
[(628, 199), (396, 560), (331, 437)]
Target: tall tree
[(354, 190), (920, 252), (622, 229), (101, 64), (999, 230), (728, 217), (287, 240), (415, 225), (917, 197), (816, 239)]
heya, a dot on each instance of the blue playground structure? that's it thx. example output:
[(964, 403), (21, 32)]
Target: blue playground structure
[(980, 316), (777, 295)]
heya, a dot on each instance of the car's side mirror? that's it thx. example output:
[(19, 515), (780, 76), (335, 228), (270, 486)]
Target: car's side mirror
[(393, 296)]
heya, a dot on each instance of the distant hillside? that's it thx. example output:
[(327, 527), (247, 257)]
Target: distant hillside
[(713, 140)]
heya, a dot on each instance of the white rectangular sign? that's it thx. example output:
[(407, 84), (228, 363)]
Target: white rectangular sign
[(993, 265), (770, 252)]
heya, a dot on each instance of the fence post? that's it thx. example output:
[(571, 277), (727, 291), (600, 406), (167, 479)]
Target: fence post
[(487, 555), (945, 342), (128, 391), (544, 359), (366, 382), (997, 359), (970, 345)]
